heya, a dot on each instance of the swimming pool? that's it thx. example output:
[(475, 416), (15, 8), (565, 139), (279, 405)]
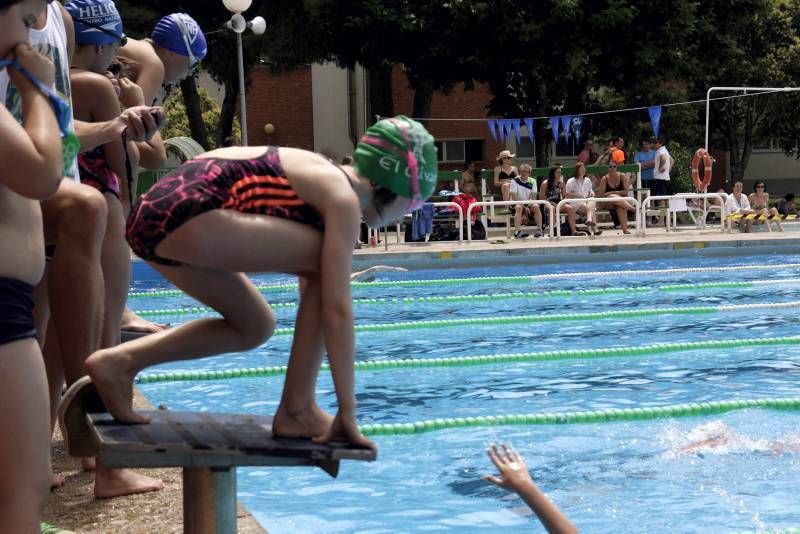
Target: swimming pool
[(612, 476)]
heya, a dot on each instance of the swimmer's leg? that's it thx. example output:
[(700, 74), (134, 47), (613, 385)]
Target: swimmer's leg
[(246, 322), (217, 246), (298, 414), (25, 440), (116, 265), (116, 262)]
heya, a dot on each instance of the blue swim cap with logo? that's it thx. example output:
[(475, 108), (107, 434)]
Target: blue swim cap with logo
[(178, 31), (97, 22)]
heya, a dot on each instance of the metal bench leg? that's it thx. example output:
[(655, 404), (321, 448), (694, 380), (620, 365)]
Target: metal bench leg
[(209, 500)]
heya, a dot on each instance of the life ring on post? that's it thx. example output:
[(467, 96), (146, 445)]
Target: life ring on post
[(708, 162)]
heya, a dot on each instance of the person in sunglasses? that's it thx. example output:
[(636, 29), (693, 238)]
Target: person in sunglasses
[(32, 170), (268, 209)]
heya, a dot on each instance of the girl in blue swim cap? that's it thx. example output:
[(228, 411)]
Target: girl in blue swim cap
[(173, 52)]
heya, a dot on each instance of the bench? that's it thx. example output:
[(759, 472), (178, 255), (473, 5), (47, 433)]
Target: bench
[(208, 446)]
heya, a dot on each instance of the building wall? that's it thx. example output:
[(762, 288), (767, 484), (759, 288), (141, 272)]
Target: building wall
[(460, 104), (333, 112), (285, 101)]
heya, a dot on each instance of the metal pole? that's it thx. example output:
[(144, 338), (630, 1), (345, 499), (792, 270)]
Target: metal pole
[(242, 98), (745, 89)]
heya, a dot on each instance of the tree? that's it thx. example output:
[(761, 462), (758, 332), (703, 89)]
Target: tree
[(754, 43), (178, 119)]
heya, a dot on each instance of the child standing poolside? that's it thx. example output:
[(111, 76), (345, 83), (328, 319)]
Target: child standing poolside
[(31, 170), (270, 209)]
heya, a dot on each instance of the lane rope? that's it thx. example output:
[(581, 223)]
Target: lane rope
[(503, 296), (486, 279), (558, 317), (593, 416), (493, 359)]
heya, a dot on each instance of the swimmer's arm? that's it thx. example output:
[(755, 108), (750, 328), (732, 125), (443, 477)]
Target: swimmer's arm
[(514, 476), (151, 78), (34, 147), (368, 274), (104, 107), (342, 218)]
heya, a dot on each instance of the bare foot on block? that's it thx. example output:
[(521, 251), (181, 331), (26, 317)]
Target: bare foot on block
[(109, 483), (109, 372), (133, 323), (308, 423)]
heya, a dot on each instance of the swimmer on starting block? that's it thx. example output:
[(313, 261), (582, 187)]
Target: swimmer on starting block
[(268, 209)]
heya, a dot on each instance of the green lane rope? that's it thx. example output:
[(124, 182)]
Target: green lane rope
[(505, 296), (487, 279), (493, 359), (557, 317), (595, 416)]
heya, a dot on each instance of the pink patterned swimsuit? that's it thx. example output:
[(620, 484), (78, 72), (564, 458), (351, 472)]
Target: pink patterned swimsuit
[(255, 186)]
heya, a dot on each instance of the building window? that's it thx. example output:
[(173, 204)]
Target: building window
[(460, 150)]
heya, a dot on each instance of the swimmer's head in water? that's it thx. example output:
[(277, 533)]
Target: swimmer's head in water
[(399, 154), (97, 22), (709, 431)]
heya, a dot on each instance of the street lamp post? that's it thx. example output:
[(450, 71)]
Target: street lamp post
[(239, 24)]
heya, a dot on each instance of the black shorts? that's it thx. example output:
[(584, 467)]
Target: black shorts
[(658, 188), (16, 311)]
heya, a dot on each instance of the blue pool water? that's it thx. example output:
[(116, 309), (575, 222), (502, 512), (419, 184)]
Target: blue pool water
[(610, 477)]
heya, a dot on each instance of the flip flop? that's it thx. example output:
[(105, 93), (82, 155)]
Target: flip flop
[(81, 398)]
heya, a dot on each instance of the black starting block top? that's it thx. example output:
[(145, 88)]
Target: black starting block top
[(216, 440)]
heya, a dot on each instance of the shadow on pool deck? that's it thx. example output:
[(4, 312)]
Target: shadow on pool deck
[(73, 506)]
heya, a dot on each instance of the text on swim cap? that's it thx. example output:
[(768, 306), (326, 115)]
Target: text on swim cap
[(393, 164), (97, 11)]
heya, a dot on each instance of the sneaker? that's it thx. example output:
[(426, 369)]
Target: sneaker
[(520, 235)]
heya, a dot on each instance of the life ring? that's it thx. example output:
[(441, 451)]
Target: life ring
[(701, 154)]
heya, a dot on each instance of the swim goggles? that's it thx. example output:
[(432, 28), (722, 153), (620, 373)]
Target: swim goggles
[(194, 63), (70, 144), (416, 201)]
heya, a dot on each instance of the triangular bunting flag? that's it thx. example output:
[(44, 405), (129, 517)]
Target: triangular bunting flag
[(492, 128), (577, 122), (554, 124), (655, 118), (529, 127), (566, 120)]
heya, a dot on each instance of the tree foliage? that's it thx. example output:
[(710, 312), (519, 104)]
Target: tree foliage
[(178, 122)]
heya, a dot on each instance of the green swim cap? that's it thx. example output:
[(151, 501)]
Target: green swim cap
[(399, 154)]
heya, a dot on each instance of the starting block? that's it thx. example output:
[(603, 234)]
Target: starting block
[(208, 446)]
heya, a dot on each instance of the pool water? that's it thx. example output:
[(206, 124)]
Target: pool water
[(625, 476)]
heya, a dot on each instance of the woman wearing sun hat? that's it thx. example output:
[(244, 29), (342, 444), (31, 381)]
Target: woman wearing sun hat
[(269, 209), (504, 172)]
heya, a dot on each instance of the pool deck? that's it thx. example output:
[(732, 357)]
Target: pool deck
[(611, 245)]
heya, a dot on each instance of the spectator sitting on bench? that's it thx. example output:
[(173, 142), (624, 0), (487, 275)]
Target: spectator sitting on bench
[(615, 185), (580, 186), (759, 202), (504, 173), (738, 204), (786, 206), (523, 189), (469, 181), (553, 191)]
